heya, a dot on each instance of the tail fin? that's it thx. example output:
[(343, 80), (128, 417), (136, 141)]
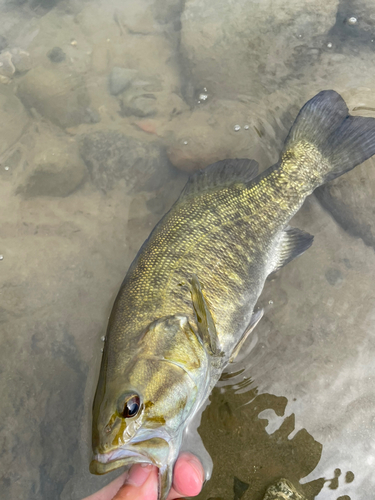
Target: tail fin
[(344, 141)]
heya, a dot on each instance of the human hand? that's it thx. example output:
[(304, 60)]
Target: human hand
[(141, 483)]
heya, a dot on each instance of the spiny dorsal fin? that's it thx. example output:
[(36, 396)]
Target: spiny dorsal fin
[(221, 174), (293, 243)]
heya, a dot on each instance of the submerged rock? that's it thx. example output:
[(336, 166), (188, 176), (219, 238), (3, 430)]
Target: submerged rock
[(120, 79), (7, 67), (140, 98), (209, 134), (57, 93), (55, 170), (168, 11), (283, 490), (56, 55), (3, 43), (14, 61), (111, 156), (13, 119), (250, 48), (350, 201), (141, 106), (21, 60)]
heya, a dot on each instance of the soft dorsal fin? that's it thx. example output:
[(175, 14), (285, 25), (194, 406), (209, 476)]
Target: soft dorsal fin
[(221, 174), (294, 242)]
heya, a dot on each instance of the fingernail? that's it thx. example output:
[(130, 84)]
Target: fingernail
[(196, 477), (197, 466), (138, 474)]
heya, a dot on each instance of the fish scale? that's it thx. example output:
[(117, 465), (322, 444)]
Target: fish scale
[(186, 304)]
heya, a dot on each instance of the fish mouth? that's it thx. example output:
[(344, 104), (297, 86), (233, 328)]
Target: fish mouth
[(152, 451), (106, 462)]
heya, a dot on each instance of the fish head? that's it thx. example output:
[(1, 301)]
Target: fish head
[(141, 410)]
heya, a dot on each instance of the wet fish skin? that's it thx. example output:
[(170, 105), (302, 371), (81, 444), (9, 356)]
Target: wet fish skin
[(170, 335)]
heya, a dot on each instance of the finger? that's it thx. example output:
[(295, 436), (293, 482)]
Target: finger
[(109, 491), (188, 477), (141, 484)]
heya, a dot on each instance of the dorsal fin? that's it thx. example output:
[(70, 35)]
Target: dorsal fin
[(221, 174)]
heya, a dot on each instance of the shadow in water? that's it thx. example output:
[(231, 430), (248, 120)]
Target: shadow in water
[(236, 434)]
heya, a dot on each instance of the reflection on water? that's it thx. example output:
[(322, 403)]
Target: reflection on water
[(105, 106)]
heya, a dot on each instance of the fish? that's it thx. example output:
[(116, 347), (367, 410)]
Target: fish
[(187, 302)]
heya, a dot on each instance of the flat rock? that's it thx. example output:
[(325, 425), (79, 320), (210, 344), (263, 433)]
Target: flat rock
[(57, 93), (111, 156)]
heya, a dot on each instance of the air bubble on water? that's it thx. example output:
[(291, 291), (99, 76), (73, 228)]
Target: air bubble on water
[(102, 338), (199, 102), (237, 128), (102, 349), (329, 45), (1, 257), (185, 142), (6, 168), (270, 302), (246, 127), (352, 20), (203, 97), (205, 89)]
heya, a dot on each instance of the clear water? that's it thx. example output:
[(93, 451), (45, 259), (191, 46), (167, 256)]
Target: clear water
[(84, 177)]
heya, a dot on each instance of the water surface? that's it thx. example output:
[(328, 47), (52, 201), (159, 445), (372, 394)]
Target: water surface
[(105, 106)]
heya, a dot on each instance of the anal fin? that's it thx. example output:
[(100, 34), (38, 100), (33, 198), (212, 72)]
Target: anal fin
[(294, 242), (255, 318)]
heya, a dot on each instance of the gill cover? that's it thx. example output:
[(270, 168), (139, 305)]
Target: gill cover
[(139, 415)]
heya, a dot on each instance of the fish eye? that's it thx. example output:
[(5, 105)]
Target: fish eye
[(131, 406)]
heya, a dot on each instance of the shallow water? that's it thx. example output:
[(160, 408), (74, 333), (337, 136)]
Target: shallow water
[(91, 157)]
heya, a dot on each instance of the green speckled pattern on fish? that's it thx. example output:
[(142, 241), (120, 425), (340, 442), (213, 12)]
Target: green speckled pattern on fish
[(187, 300)]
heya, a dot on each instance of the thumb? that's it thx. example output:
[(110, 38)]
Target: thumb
[(141, 484)]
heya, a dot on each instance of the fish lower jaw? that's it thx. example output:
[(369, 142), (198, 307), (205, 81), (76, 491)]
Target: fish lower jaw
[(117, 454), (106, 462)]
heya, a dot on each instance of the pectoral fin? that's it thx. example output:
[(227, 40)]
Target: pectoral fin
[(255, 318), (206, 325)]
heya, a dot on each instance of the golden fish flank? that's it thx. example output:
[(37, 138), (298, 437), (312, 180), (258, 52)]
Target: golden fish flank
[(186, 304)]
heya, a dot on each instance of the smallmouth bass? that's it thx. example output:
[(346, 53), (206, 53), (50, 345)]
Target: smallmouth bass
[(186, 304)]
